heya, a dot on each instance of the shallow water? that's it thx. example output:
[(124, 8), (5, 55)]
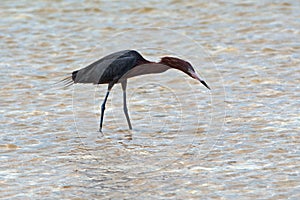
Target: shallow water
[(239, 140)]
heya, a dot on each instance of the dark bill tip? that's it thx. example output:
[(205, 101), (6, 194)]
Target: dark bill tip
[(203, 82), (196, 76)]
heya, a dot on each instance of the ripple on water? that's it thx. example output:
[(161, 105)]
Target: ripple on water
[(179, 147)]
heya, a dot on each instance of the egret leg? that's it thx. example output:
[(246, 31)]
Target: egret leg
[(102, 110), (124, 85)]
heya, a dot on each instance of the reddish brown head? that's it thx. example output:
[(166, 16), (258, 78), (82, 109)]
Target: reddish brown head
[(183, 66)]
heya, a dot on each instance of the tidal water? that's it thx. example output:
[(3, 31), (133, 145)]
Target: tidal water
[(239, 140)]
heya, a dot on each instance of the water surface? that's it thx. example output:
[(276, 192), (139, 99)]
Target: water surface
[(239, 140)]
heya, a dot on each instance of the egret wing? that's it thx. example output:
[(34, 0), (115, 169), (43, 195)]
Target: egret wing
[(107, 69)]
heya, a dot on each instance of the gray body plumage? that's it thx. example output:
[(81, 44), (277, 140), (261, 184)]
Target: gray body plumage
[(109, 69)]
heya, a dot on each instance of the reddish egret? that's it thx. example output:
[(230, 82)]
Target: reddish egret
[(118, 67)]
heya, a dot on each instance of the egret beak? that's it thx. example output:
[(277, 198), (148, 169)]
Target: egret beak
[(196, 76), (203, 82)]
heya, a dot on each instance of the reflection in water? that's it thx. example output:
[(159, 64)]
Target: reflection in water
[(240, 139)]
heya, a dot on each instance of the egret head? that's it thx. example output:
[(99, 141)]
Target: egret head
[(183, 66)]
